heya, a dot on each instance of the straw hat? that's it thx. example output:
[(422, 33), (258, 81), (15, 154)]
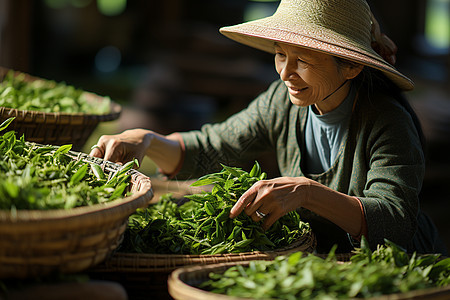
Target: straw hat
[(338, 27)]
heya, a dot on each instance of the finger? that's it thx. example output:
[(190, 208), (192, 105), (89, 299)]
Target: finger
[(112, 153), (96, 152), (252, 207), (98, 149), (258, 215), (255, 217), (242, 203), (269, 220), (257, 203)]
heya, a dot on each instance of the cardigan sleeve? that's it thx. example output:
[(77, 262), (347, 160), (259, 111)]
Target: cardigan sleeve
[(238, 139), (396, 167)]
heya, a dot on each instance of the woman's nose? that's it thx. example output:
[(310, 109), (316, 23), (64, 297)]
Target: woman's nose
[(288, 71)]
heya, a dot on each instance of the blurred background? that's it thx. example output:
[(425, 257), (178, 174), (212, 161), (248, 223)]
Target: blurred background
[(171, 70)]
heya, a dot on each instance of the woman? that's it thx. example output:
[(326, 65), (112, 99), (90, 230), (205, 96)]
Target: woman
[(349, 147)]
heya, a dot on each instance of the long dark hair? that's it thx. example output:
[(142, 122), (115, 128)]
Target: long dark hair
[(374, 80)]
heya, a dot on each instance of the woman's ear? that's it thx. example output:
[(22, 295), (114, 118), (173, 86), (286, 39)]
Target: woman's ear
[(353, 70)]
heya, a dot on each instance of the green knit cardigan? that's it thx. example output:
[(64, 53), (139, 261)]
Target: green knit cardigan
[(380, 161)]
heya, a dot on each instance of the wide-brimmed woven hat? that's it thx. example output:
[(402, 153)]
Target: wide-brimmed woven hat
[(338, 27)]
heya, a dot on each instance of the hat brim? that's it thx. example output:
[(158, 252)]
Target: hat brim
[(256, 35)]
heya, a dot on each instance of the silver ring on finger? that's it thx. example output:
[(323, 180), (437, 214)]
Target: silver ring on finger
[(260, 214)]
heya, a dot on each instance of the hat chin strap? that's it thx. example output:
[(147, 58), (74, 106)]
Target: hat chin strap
[(345, 81)]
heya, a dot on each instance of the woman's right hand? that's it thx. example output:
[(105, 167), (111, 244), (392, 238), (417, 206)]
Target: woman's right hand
[(165, 151), (123, 147)]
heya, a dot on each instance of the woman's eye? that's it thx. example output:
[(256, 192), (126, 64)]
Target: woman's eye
[(279, 54)]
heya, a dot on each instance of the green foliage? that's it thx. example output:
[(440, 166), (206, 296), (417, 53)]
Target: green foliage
[(385, 271), (202, 225), (47, 96), (36, 177)]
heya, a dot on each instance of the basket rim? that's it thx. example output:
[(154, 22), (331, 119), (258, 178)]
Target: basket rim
[(176, 283), (114, 113), (156, 262), (58, 214), (310, 236), (116, 110), (122, 206)]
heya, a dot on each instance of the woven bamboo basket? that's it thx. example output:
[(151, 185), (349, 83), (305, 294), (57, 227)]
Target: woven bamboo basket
[(56, 128), (147, 274), (141, 262), (183, 282), (35, 243)]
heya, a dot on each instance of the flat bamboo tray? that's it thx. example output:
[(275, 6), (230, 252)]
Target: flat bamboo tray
[(147, 274), (56, 128), (162, 263), (35, 243), (183, 282)]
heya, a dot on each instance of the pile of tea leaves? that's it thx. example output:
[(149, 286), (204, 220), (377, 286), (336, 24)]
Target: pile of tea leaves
[(202, 224)]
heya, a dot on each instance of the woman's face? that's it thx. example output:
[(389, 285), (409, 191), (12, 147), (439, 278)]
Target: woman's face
[(310, 76)]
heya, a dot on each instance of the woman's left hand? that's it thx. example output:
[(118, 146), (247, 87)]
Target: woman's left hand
[(269, 200)]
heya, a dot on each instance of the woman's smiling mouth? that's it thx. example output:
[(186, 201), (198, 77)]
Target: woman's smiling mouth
[(295, 91)]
